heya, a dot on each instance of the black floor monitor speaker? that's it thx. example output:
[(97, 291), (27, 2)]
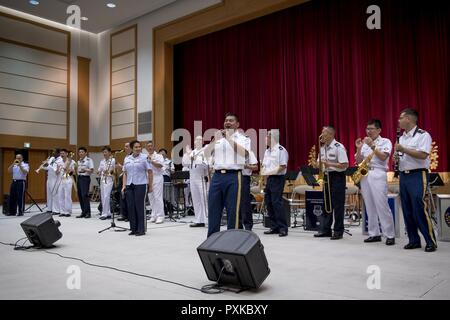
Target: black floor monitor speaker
[(42, 231), (236, 256)]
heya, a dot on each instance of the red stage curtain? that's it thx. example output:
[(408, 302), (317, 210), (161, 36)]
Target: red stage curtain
[(316, 64)]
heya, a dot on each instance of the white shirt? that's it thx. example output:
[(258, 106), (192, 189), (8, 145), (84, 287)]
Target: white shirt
[(185, 161), (65, 167), (158, 158), (224, 155), (85, 164), (418, 140), (198, 165), (18, 174), (251, 160), (50, 168), (168, 167), (275, 157), (105, 166), (383, 145), (335, 153), (136, 169)]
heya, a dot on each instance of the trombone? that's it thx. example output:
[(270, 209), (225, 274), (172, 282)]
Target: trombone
[(324, 179), (64, 174), (43, 165)]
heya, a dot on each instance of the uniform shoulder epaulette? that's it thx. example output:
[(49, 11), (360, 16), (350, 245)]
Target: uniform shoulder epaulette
[(420, 131), (337, 144), (281, 148)]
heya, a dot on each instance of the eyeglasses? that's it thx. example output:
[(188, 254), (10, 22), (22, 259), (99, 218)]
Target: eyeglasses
[(370, 129)]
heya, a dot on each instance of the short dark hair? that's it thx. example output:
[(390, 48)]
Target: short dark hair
[(82, 148), (231, 114), (375, 122), (411, 112), (331, 127), (106, 148), (64, 150), (162, 149), (132, 143)]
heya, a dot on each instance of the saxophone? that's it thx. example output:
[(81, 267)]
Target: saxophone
[(363, 169)]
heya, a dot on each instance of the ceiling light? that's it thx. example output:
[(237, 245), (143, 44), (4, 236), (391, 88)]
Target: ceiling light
[(84, 18), (34, 2), (111, 5)]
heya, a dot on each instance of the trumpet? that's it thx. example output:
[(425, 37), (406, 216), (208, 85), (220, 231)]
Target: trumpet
[(44, 164), (16, 162)]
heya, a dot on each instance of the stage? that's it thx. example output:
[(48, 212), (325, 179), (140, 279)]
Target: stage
[(302, 267)]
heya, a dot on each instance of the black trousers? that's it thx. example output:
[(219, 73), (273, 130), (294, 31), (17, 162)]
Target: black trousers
[(83, 184), (123, 200), (273, 198), (246, 214), (337, 188), (16, 201), (136, 207)]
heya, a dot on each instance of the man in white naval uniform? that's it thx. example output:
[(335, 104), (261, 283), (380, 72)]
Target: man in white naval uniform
[(374, 186), (51, 180), (155, 197), (106, 171), (65, 170), (198, 172)]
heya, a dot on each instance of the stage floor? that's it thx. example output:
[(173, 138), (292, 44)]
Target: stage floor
[(302, 267)]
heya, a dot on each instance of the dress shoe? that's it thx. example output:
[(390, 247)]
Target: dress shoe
[(412, 246), (390, 241), (19, 214), (194, 225), (103, 218), (80, 216), (67, 215), (322, 235), (140, 234), (336, 236), (87, 216), (121, 219), (61, 215), (152, 219), (271, 231), (373, 239), (55, 213), (131, 233), (282, 234), (159, 220), (430, 248)]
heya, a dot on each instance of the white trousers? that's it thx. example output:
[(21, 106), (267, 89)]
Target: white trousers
[(374, 190), (199, 192), (65, 196), (156, 197), (105, 192), (51, 181), (56, 201)]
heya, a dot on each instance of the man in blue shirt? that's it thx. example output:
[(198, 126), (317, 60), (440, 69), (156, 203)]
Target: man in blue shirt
[(19, 171)]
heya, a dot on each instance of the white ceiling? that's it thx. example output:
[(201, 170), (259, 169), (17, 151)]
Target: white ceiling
[(100, 17)]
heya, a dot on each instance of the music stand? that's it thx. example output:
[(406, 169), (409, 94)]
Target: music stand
[(180, 175), (33, 202), (308, 174), (350, 171), (435, 180), (113, 223)]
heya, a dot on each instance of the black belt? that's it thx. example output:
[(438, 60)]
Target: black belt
[(413, 171), (224, 171), (80, 176), (16, 180)]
